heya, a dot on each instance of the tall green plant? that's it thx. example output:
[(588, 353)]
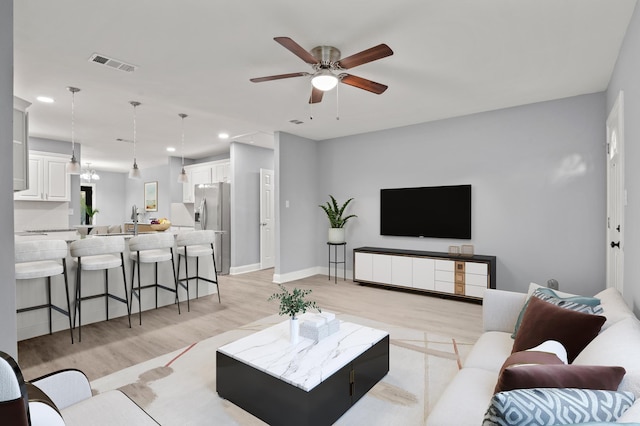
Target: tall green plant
[(334, 212)]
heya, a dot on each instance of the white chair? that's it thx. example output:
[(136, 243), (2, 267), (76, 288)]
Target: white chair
[(43, 259), (62, 398), (196, 244), (97, 254), (151, 248)]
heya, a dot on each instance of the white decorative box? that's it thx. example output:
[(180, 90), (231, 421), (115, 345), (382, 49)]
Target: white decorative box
[(318, 326)]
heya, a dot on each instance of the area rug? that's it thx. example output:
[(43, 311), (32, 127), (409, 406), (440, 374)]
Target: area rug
[(179, 388)]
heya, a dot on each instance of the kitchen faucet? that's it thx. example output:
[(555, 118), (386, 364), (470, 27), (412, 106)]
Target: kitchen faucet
[(134, 217)]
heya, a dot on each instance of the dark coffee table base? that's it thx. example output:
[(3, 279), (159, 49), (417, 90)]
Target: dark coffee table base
[(279, 403)]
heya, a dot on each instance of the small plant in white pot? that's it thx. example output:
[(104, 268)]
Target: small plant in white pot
[(336, 220), (293, 303)]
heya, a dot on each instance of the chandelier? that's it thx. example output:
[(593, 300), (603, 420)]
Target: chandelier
[(89, 174)]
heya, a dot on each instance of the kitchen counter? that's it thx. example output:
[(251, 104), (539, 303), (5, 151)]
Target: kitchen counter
[(33, 292)]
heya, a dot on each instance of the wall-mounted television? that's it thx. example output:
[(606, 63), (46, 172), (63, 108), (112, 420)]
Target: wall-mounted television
[(432, 211)]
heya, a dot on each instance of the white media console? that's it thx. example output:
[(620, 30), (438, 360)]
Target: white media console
[(464, 277)]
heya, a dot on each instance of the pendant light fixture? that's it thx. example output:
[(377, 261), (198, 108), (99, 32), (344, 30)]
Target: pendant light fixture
[(182, 177), (134, 173), (73, 166), (89, 174)]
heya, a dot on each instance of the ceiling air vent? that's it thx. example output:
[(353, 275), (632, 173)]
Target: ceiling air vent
[(112, 63), (296, 121)]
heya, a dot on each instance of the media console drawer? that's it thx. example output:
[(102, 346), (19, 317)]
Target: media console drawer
[(461, 277)]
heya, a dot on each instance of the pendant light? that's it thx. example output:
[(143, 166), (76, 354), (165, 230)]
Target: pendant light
[(134, 173), (73, 166), (182, 177)]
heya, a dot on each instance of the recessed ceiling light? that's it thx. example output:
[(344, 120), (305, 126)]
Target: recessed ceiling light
[(171, 149), (223, 135), (45, 99)]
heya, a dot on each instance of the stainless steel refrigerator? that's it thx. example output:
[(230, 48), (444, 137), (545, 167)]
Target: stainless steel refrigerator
[(212, 211)]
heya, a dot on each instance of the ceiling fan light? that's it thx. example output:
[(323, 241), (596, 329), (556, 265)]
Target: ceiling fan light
[(325, 80)]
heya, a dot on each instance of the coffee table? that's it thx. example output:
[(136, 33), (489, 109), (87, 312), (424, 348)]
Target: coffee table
[(307, 383)]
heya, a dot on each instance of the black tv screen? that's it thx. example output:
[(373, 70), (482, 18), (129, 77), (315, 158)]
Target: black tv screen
[(434, 211)]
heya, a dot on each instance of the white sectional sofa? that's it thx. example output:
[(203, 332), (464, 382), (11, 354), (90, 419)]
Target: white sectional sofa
[(467, 398)]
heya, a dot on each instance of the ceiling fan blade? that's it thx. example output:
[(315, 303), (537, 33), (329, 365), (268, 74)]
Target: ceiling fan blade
[(316, 96), (278, 77), (297, 50), (373, 54), (363, 83)]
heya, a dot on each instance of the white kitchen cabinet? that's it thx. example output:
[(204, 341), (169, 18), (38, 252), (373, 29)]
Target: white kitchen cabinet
[(210, 172), (20, 144), (48, 178), (454, 276)]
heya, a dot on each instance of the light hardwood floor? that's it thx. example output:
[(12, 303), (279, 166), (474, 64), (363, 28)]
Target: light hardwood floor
[(110, 346)]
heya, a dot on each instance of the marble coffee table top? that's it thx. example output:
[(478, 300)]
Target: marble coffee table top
[(307, 363)]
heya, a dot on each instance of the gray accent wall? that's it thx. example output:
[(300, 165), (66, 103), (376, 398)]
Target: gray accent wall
[(110, 198), (135, 192), (8, 331), (297, 173), (538, 189), (246, 162), (625, 78)]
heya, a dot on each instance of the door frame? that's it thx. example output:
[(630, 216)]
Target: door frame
[(615, 201)]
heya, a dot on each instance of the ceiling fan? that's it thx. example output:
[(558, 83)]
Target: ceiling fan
[(327, 67)]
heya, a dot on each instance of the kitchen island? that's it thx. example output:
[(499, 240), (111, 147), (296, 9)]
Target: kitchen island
[(33, 292)]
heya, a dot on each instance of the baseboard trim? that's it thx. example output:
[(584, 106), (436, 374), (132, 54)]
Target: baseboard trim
[(237, 270), (297, 275)]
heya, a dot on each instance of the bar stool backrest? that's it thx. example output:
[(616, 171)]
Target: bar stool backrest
[(33, 251), (96, 246), (151, 242), (194, 238)]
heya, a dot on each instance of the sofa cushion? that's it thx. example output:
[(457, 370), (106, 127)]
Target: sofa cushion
[(548, 407), (545, 321), (490, 351), (614, 307), (518, 359), (465, 400), (589, 305), (617, 345), (559, 376)]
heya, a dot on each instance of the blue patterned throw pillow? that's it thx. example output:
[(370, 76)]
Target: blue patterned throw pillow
[(551, 406), (587, 305)]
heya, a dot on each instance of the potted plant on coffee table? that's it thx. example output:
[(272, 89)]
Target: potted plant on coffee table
[(336, 220), (293, 303)]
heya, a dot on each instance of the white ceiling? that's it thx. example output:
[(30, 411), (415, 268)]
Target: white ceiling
[(451, 58)]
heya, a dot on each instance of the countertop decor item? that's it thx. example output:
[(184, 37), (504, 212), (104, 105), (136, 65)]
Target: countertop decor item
[(293, 303), (336, 220)]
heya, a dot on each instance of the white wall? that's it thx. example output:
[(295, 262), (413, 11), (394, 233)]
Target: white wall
[(538, 177), (8, 331), (626, 78)]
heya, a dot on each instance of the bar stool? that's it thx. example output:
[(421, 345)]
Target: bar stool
[(196, 244), (41, 259), (97, 254), (151, 248)]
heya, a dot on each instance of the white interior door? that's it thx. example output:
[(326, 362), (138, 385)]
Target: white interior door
[(616, 199), (267, 239)]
